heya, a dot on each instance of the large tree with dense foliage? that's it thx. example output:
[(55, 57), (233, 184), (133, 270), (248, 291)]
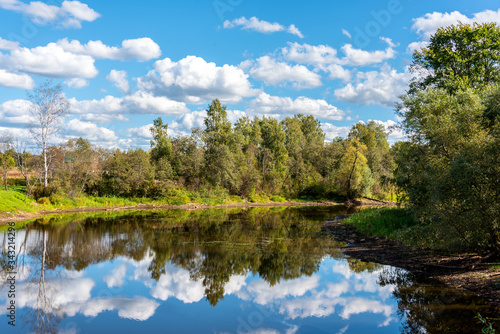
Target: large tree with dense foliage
[(161, 150), (220, 148), (354, 177), (449, 169), (378, 153), (459, 57)]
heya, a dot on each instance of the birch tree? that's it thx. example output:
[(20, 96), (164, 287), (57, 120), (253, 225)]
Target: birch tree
[(47, 110)]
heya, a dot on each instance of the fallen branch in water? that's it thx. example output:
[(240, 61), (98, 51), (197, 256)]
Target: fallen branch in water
[(374, 200)]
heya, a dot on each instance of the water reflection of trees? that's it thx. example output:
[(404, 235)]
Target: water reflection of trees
[(426, 306), (44, 315), (212, 245)]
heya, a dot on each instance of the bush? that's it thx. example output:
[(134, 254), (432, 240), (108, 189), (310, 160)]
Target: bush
[(16, 182), (43, 201), (258, 198), (40, 191), (276, 198)]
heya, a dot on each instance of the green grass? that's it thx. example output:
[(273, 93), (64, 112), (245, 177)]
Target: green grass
[(495, 267), (12, 201), (276, 198), (382, 222)]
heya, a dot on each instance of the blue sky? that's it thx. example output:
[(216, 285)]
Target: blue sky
[(123, 64)]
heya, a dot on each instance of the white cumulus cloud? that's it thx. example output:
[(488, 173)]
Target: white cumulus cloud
[(358, 57), (331, 131), (70, 14), (267, 104), (15, 80), (338, 72), (51, 60), (272, 72), (119, 79), (138, 103), (15, 112), (316, 55), (376, 87), (138, 308), (428, 24), (261, 26), (142, 49), (193, 80), (8, 45), (76, 83), (89, 130), (323, 55)]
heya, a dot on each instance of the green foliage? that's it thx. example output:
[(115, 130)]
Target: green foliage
[(220, 153), (161, 147), (41, 192), (258, 198), (257, 159), (378, 154), (79, 165), (383, 222), (278, 199), (128, 174), (354, 175), (487, 325), (450, 168), (459, 57), (43, 200), (273, 154)]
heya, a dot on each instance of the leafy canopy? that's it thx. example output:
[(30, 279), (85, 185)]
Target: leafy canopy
[(459, 57)]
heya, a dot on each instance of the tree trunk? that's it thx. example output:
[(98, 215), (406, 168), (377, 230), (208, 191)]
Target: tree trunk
[(28, 188), (5, 179), (45, 168), (350, 176)]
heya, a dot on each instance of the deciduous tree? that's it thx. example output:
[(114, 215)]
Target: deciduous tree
[(459, 57), (48, 107)]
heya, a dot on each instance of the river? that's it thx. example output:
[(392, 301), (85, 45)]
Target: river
[(257, 270)]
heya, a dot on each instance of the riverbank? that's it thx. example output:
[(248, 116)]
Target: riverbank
[(466, 271), (6, 216)]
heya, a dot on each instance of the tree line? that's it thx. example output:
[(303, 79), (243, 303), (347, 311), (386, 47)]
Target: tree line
[(254, 157)]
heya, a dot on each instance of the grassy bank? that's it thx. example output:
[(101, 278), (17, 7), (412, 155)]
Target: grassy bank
[(12, 201), (390, 222), (399, 224)]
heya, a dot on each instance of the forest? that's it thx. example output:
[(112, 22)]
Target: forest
[(255, 156)]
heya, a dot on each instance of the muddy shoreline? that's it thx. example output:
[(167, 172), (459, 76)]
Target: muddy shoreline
[(465, 271)]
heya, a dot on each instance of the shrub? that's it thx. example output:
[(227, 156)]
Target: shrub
[(43, 201), (40, 191)]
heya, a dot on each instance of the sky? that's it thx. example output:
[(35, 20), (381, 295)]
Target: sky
[(123, 64)]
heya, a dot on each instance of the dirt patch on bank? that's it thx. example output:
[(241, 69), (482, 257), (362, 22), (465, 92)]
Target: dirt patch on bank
[(465, 271)]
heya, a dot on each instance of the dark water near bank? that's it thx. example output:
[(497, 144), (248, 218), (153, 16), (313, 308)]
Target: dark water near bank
[(261, 270)]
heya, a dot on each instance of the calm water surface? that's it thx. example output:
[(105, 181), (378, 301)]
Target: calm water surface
[(264, 270)]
